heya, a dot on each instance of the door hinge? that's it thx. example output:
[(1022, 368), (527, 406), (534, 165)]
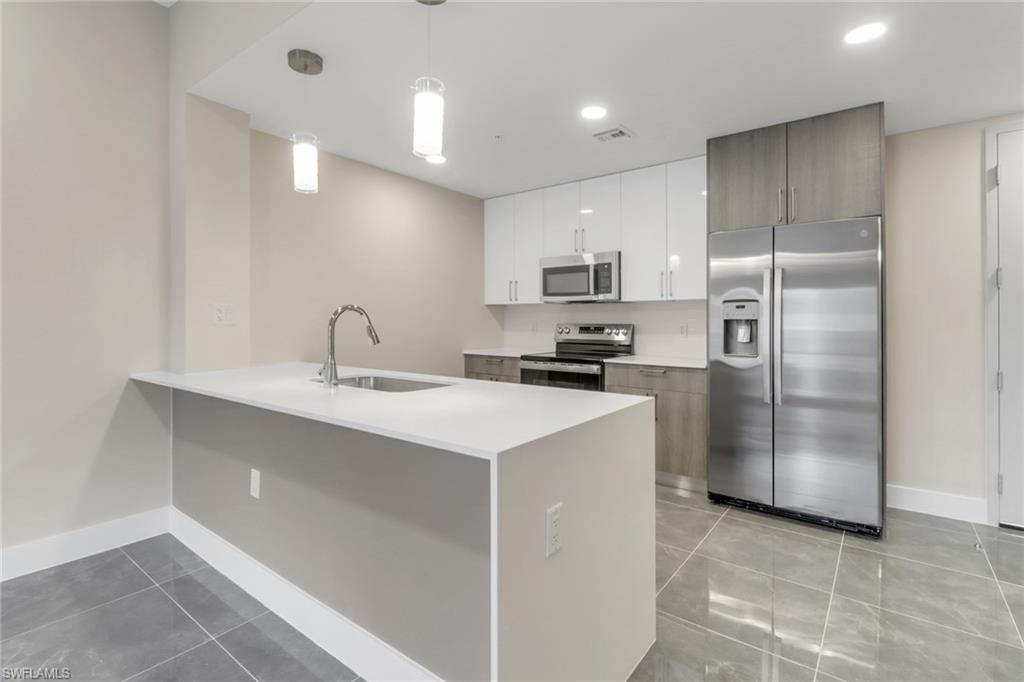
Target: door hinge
[(999, 382), (999, 484), (999, 278)]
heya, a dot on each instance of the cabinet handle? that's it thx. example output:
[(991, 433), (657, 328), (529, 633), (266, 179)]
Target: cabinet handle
[(792, 204), (583, 240), (662, 294), (670, 284), (510, 290), (655, 372), (575, 241), (516, 287), (655, 405), (493, 361), (781, 192)]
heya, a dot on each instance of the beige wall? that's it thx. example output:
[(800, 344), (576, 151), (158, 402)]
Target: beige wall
[(934, 308), (84, 253), (409, 252)]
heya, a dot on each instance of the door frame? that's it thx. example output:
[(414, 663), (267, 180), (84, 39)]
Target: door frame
[(990, 255)]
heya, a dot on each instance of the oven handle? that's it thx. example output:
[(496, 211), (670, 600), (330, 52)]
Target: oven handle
[(565, 367)]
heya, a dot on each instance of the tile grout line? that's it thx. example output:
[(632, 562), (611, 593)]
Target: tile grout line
[(692, 552), (828, 610), (198, 624), (998, 585), (918, 561), (193, 648)]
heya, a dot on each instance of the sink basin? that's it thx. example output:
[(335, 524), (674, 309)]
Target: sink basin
[(389, 384)]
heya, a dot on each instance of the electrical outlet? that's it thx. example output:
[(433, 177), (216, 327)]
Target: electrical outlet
[(684, 330), (254, 483), (224, 313), (553, 530)]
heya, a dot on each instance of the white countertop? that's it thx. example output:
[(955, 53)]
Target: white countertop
[(503, 352), (660, 361), (476, 418)]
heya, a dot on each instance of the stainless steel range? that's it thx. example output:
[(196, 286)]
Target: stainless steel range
[(578, 360)]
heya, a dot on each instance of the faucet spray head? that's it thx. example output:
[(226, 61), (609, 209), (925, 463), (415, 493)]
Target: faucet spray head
[(372, 334)]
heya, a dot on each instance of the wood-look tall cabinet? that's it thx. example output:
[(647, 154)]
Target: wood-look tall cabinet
[(820, 168)]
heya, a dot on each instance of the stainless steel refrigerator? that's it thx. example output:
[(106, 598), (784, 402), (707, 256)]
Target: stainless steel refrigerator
[(795, 371)]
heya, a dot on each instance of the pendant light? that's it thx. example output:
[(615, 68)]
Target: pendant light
[(428, 108), (305, 146)]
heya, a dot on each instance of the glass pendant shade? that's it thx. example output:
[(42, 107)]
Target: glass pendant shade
[(428, 117), (304, 160)]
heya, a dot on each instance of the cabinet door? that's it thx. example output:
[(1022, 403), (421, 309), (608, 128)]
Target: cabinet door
[(687, 237), (601, 214), (747, 179), (681, 434), (499, 241), (529, 223), (643, 234), (562, 219), (835, 165)]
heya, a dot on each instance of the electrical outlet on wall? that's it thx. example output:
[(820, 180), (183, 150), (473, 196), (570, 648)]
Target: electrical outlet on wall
[(553, 530), (224, 313), (254, 483), (684, 330)]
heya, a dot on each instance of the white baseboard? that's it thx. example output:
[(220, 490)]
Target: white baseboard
[(58, 549), (372, 658), (949, 505)]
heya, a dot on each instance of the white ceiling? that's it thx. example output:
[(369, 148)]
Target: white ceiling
[(674, 73)]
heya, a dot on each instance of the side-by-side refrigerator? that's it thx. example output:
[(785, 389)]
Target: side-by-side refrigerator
[(795, 371)]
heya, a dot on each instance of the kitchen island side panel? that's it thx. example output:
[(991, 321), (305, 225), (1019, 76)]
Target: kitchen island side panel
[(588, 611), (393, 535)]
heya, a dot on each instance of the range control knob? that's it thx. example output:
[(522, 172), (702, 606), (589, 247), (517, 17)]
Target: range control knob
[(566, 330), (608, 331), (558, 330)]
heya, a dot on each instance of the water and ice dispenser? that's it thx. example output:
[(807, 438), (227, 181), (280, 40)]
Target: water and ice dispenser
[(740, 319)]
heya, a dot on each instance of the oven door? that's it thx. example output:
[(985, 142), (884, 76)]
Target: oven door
[(582, 277), (562, 375)]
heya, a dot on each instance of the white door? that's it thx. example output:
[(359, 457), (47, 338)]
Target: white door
[(643, 235), (529, 222), (1010, 201), (600, 214), (562, 219), (499, 228), (687, 237)]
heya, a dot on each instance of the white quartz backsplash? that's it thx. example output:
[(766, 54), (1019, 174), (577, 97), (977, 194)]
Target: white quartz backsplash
[(670, 328)]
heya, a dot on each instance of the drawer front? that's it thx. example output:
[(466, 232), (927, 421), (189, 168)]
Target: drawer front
[(492, 377), (493, 365), (657, 378)]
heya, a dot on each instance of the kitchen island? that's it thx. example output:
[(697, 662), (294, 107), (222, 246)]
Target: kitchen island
[(421, 520)]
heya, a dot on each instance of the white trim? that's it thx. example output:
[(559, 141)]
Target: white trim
[(991, 330), (58, 549), (948, 505), (369, 656)]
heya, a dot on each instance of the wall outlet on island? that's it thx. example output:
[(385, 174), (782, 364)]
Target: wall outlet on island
[(224, 313), (553, 530), (254, 483)]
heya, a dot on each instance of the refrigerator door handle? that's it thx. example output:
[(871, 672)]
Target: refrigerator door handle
[(777, 335), (764, 339)]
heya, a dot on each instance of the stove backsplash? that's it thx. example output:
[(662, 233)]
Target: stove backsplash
[(659, 325)]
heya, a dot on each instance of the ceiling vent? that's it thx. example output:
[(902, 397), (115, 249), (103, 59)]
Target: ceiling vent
[(618, 133)]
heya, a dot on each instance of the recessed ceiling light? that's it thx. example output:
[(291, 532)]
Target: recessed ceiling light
[(593, 112), (586, 211), (435, 159), (865, 33)]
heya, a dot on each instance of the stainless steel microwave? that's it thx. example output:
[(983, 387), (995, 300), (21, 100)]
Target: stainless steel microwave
[(580, 277)]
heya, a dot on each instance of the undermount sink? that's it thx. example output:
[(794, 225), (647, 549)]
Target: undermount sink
[(389, 384)]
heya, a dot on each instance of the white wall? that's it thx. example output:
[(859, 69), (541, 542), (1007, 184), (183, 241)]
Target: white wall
[(935, 307), (84, 251), (658, 325), (409, 252)]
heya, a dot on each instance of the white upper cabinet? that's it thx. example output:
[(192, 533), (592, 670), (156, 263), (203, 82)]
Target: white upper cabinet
[(601, 214), (562, 219), (687, 229), (529, 245), (643, 234), (499, 245)]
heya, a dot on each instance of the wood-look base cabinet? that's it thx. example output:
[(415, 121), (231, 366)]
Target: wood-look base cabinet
[(680, 413), (821, 168), (492, 368)]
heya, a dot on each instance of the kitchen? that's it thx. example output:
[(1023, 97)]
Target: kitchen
[(791, 460)]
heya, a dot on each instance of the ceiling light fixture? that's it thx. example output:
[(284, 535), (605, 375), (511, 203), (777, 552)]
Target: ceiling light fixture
[(586, 211), (305, 146), (865, 33), (428, 108), (593, 112)]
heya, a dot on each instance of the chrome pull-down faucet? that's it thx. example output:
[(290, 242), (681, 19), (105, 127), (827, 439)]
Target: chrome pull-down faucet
[(329, 372)]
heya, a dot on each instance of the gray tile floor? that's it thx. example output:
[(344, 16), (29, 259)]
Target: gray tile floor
[(151, 611), (744, 596)]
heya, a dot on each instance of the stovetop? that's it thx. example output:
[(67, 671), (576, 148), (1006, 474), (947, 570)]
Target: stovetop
[(590, 343), (562, 356)]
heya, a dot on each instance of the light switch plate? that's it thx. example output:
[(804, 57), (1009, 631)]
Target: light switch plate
[(553, 530)]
